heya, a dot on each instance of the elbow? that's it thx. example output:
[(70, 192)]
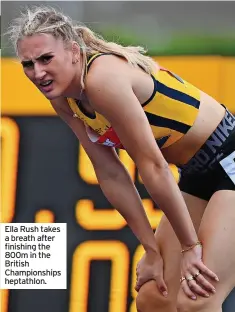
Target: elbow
[(157, 165), (148, 167)]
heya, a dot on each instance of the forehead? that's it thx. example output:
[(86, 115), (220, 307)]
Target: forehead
[(32, 47)]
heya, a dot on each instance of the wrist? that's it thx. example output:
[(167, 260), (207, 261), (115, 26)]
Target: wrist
[(187, 248), (152, 250), (188, 243)]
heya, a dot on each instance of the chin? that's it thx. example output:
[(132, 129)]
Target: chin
[(52, 95)]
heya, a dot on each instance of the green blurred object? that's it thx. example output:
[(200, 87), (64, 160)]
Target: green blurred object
[(199, 45), (177, 44), (180, 44)]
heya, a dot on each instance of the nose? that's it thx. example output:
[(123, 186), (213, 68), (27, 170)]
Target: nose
[(39, 71)]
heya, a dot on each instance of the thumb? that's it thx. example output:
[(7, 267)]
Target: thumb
[(162, 286)]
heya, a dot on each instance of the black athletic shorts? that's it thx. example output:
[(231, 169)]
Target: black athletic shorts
[(212, 168)]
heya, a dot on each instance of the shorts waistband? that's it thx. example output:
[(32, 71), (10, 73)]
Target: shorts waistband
[(218, 144)]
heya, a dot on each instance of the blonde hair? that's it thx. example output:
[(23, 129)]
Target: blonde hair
[(43, 19)]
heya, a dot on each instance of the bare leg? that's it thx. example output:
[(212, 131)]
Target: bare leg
[(149, 299), (217, 231)]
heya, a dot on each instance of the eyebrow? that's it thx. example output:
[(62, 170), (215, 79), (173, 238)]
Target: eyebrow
[(30, 62)]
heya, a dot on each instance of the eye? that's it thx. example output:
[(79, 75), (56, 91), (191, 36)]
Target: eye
[(27, 64), (46, 59)]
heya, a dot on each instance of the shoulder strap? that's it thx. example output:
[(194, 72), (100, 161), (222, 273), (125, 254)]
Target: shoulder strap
[(172, 74), (93, 57)]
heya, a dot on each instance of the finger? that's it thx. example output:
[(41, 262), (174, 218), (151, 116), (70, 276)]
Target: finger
[(195, 288), (162, 286), (140, 282), (137, 286), (207, 272), (187, 290), (203, 282)]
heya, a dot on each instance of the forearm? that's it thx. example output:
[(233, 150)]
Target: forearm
[(122, 194), (164, 190)]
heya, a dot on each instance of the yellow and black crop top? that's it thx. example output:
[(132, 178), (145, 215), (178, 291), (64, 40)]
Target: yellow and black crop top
[(171, 111)]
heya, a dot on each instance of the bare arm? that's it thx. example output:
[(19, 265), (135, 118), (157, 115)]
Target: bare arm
[(113, 178), (113, 97)]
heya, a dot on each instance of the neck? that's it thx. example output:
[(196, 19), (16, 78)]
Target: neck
[(75, 90)]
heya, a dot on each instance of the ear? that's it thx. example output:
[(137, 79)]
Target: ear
[(75, 52)]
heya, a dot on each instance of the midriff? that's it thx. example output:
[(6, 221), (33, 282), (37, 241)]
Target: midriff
[(209, 116)]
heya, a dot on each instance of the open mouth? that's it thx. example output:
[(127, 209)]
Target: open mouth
[(46, 83), (46, 86)]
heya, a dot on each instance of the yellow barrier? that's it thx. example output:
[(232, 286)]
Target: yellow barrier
[(213, 74)]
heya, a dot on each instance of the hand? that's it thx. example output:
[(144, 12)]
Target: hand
[(150, 267), (194, 272)]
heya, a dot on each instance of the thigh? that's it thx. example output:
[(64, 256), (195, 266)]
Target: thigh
[(217, 232), (170, 247)]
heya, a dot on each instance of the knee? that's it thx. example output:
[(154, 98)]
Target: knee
[(184, 304), (188, 306), (150, 299)]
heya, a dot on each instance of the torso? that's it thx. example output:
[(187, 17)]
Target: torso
[(183, 150), (177, 146)]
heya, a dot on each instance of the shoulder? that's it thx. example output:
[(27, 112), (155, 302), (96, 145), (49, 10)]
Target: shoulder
[(107, 76), (108, 73), (108, 62), (61, 106)]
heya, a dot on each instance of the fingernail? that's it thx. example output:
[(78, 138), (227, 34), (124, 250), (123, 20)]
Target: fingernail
[(165, 293), (207, 295), (213, 290), (194, 297), (217, 279)]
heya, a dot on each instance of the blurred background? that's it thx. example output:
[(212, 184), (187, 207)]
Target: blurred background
[(46, 175)]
